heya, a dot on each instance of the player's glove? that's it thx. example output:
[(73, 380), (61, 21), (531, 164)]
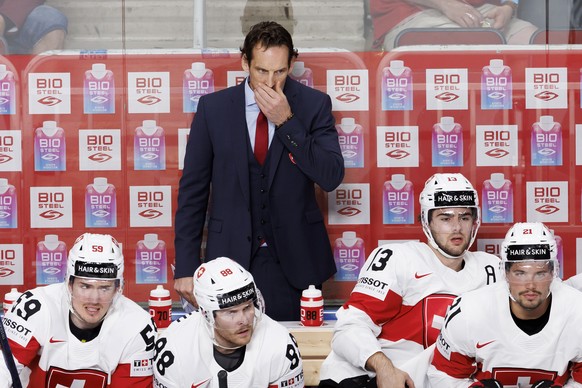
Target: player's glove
[(545, 384), (487, 383)]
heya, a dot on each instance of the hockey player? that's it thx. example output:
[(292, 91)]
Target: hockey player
[(229, 341), (83, 332), (521, 332), (400, 299)]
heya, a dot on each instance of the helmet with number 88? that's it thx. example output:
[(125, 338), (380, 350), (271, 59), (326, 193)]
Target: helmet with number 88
[(446, 191), (223, 283), (95, 256), (529, 242)]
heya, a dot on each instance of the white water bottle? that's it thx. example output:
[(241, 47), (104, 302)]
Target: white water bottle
[(311, 307), (10, 298)]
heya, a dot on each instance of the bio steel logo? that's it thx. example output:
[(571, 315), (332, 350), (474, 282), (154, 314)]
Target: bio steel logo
[(546, 87), (148, 87), (548, 199), (151, 202), (348, 86), (449, 85), (348, 89), (148, 92), (51, 207), (99, 149), (7, 143), (348, 201), (11, 264), (150, 206), (49, 93), (349, 204), (53, 202), (398, 144)]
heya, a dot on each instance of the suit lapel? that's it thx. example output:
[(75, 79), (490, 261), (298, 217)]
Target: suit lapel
[(240, 134), (277, 149)]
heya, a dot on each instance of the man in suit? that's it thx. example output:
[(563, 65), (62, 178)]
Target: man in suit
[(262, 213)]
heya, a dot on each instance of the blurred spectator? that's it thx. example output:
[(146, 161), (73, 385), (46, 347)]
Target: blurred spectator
[(280, 11), (576, 15), (31, 27), (392, 16), (546, 14)]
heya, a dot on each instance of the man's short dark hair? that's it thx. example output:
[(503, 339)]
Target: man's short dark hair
[(267, 35)]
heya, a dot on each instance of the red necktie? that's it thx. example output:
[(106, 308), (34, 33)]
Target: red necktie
[(261, 138)]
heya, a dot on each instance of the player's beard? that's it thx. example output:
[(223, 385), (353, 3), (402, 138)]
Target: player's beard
[(457, 252), (231, 339)]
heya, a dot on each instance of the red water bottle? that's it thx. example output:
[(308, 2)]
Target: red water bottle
[(160, 305), (311, 307)]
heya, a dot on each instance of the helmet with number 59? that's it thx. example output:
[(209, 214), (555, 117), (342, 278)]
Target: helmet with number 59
[(95, 256)]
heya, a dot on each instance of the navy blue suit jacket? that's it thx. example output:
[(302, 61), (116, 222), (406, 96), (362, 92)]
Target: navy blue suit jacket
[(304, 151)]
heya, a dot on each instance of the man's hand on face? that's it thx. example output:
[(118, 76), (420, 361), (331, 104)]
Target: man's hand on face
[(273, 102)]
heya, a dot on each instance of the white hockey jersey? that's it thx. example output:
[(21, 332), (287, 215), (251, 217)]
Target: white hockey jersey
[(398, 305), (49, 355), (479, 329), (184, 357), (575, 281)]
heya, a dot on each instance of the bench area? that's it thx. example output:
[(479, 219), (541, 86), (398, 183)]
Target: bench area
[(314, 345)]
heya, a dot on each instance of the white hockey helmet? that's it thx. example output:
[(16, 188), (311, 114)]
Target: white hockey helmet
[(531, 242), (444, 191), (223, 283), (95, 256)]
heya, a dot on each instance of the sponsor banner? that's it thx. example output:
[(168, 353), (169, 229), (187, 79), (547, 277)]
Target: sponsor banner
[(546, 88), (99, 150), (397, 146), (148, 92), (497, 145), (349, 204), (348, 89), (150, 206), (11, 264), (10, 150), (547, 201), (51, 207), (234, 78), (447, 89), (49, 93)]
